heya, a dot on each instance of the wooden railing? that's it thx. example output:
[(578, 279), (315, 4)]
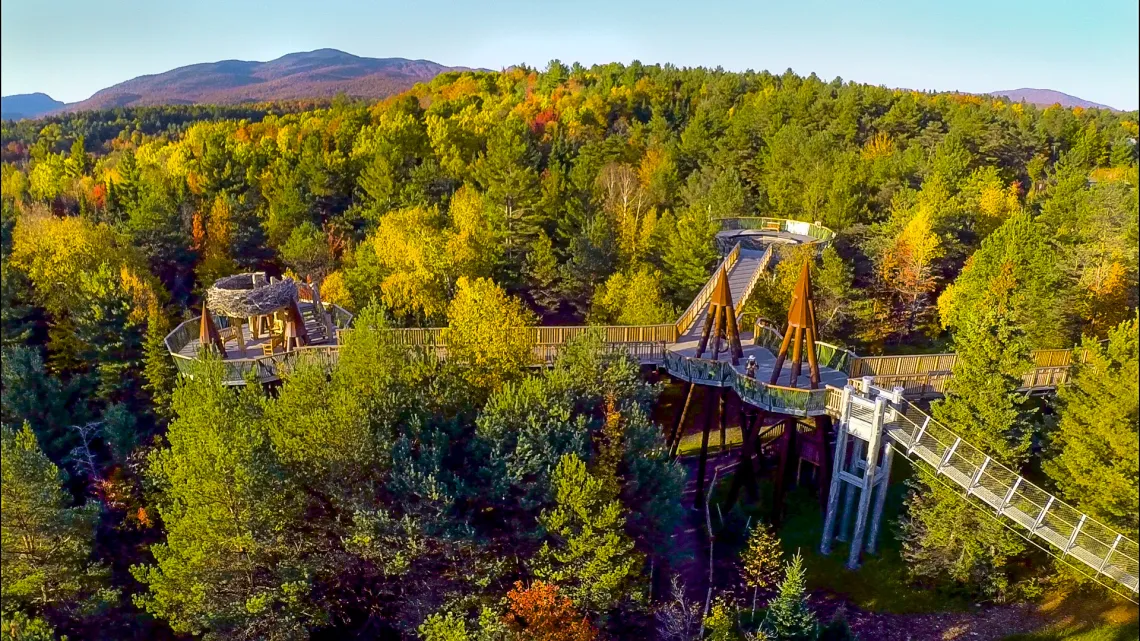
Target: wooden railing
[(694, 309), (925, 375), (761, 269), (612, 334)]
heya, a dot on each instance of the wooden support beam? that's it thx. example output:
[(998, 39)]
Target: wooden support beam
[(705, 332), (780, 357), (744, 473), (717, 330), (754, 429), (813, 364), (734, 337), (710, 410), (823, 432), (678, 425), (784, 468), (797, 354), (723, 420)]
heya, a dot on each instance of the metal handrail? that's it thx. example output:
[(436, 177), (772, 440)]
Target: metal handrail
[(987, 482)]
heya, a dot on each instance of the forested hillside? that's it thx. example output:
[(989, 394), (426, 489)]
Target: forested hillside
[(399, 494)]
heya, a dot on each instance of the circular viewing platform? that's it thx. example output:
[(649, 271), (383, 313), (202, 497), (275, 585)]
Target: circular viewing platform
[(258, 327)]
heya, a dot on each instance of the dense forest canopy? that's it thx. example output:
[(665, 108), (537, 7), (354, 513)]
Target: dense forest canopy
[(399, 494)]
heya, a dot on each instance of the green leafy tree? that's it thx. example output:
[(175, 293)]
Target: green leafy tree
[(511, 185), (690, 254), (541, 271), (1095, 456), (18, 625), (487, 334), (631, 298), (31, 395), (1015, 264), (720, 624), (159, 373), (111, 340), (788, 614), (15, 289), (592, 558), (444, 627), (837, 629), (982, 404)]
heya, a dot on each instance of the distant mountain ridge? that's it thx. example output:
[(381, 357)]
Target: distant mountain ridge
[(1048, 98), (27, 105), (318, 74), (323, 73)]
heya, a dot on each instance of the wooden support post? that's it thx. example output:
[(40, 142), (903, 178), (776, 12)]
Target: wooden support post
[(784, 469), (678, 425), (717, 331), (744, 471), (754, 462), (734, 337), (809, 344), (783, 353), (723, 420), (710, 409), (706, 331), (797, 355)]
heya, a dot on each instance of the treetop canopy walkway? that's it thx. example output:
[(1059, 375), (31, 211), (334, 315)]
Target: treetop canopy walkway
[(764, 381)]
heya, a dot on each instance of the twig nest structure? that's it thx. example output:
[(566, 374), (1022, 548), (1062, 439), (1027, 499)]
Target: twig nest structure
[(250, 294)]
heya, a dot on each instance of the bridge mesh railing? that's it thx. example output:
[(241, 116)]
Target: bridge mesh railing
[(1073, 534)]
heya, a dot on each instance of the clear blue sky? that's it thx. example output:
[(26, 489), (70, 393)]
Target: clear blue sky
[(71, 48)]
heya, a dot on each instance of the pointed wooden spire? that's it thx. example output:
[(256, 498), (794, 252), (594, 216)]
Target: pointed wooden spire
[(208, 332), (720, 322), (800, 334)]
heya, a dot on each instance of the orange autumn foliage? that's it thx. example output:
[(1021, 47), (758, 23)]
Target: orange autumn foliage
[(540, 613)]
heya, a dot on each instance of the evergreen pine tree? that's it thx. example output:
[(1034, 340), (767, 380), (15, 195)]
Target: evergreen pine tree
[(1095, 449), (592, 557), (46, 543), (158, 371), (789, 618), (944, 536), (690, 254)]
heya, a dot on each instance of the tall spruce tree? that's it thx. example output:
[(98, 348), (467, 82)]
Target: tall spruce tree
[(789, 618), (946, 538)]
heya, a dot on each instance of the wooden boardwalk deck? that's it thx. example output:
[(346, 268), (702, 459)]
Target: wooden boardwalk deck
[(738, 278), (253, 345)]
